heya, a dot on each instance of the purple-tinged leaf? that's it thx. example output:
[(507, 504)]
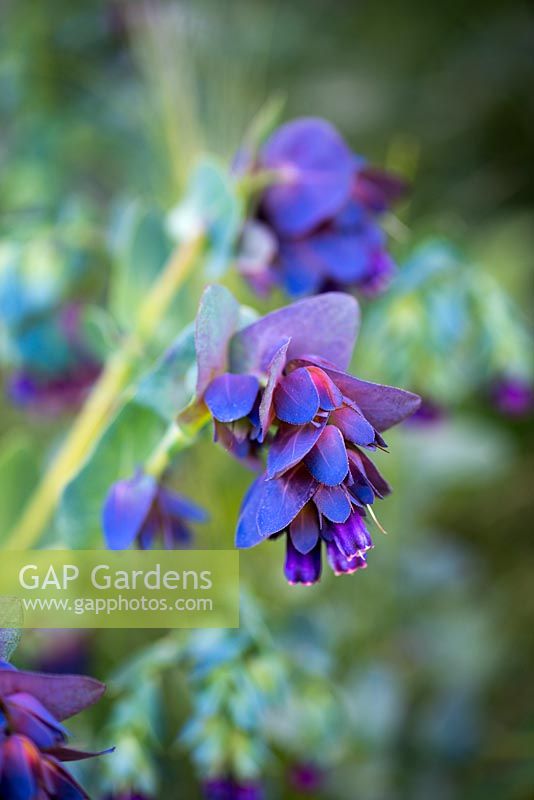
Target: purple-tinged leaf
[(325, 326), (274, 373), (382, 406), (282, 499), (71, 754), (296, 399), (62, 695), (329, 395), (289, 446), (333, 503), (125, 509), (353, 426), (231, 397), (216, 322), (248, 533), (328, 461), (316, 169), (304, 530)]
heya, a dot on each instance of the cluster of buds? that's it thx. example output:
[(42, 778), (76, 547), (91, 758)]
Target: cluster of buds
[(32, 738), (280, 387), (317, 225)]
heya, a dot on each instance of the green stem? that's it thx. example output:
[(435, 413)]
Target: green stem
[(176, 438), (93, 417)]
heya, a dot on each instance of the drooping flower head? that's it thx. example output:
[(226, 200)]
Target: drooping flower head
[(32, 738), (317, 226), (280, 386), (228, 788), (141, 510)]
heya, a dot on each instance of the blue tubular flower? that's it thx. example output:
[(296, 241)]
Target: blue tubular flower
[(32, 738), (317, 227), (140, 510), (315, 422)]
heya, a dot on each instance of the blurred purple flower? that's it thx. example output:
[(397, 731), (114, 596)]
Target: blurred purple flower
[(317, 227), (32, 738), (428, 414), (306, 778), (228, 788), (513, 396), (128, 796), (290, 395), (49, 392), (139, 509)]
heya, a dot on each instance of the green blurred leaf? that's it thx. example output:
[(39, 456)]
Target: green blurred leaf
[(211, 203), (140, 247)]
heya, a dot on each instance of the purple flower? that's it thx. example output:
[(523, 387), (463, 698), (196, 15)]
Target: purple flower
[(428, 414), (513, 396), (228, 788), (306, 778), (32, 738), (57, 387), (141, 510), (289, 395), (317, 228)]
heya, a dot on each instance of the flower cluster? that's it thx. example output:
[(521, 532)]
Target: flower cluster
[(317, 225), (142, 510), (32, 738), (287, 392)]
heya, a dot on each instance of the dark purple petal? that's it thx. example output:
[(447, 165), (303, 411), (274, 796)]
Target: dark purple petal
[(180, 507), (217, 320), (274, 373), (19, 769), (289, 446), (296, 399), (352, 536), (325, 326), (353, 426), (333, 503), (328, 461), (301, 568), (304, 530), (282, 499), (382, 406), (316, 168), (329, 395), (125, 509), (341, 565), (63, 695), (231, 397)]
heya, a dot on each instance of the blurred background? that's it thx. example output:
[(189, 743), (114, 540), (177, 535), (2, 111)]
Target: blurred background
[(415, 675)]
